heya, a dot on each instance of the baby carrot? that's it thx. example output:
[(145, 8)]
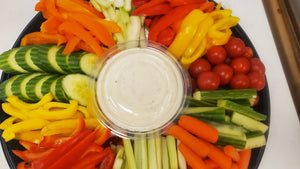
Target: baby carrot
[(219, 157), (192, 158), (197, 145), (199, 128), (231, 152), (245, 156)]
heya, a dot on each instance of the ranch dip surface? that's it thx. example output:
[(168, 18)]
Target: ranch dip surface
[(140, 89)]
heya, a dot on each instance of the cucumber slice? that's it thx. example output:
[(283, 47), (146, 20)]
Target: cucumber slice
[(255, 140), (248, 123), (24, 84), (76, 87), (227, 128), (40, 55), (8, 62), (200, 103), (44, 86), (21, 58), (73, 62), (32, 87), (225, 94), (87, 62), (210, 113), (62, 61), (248, 111), (52, 58), (236, 141), (7, 89), (58, 91), (16, 87)]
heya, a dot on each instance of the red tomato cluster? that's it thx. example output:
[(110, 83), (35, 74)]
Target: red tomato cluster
[(230, 65)]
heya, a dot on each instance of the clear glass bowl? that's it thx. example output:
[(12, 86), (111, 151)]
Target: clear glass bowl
[(138, 87)]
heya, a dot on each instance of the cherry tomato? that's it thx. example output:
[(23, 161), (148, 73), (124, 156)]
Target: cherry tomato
[(240, 65), (248, 53), (193, 84), (257, 80), (235, 47), (216, 55), (225, 72), (256, 65), (208, 81), (239, 81), (198, 66)]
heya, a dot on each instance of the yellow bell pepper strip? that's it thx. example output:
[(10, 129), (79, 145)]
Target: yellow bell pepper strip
[(199, 36), (221, 25), (16, 102), (27, 125), (92, 123), (66, 127), (186, 33), (55, 114), (9, 109), (58, 105), (220, 41), (84, 111), (31, 136), (200, 51), (220, 14), (7, 122), (218, 7)]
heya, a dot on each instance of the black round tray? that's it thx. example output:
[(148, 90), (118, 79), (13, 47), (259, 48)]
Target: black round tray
[(34, 25)]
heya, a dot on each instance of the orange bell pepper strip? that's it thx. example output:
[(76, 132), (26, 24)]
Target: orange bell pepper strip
[(95, 28), (71, 45), (37, 38), (79, 31), (105, 135), (78, 6), (50, 25), (51, 8)]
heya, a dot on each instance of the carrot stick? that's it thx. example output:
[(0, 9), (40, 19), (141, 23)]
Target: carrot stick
[(219, 157), (210, 164), (192, 158), (79, 31), (37, 38), (50, 25), (230, 151), (245, 156), (71, 45), (51, 8), (197, 145), (199, 128)]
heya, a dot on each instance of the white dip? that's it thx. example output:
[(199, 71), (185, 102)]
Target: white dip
[(140, 89)]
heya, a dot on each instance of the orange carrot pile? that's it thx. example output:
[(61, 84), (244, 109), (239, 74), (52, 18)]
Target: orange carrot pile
[(196, 146), (75, 23)]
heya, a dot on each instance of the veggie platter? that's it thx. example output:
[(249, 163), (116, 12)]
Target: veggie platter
[(45, 117)]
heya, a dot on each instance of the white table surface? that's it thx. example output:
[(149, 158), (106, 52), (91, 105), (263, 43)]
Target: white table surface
[(283, 146)]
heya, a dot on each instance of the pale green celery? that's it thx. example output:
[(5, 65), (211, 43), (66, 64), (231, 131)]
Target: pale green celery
[(134, 28), (158, 151), (127, 5), (152, 153), (165, 154), (109, 13), (96, 5), (119, 161), (118, 3), (143, 31), (129, 154), (171, 142), (114, 148), (105, 3), (181, 159), (141, 152)]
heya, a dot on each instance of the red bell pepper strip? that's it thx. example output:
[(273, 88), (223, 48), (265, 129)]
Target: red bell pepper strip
[(108, 161), (147, 5), (166, 36), (105, 135), (93, 148), (66, 160), (24, 165), (174, 3), (32, 147), (159, 9), (138, 3), (174, 15), (53, 141), (59, 151), (26, 155), (80, 127)]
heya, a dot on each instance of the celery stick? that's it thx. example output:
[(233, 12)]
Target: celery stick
[(134, 28), (140, 152), (165, 154), (181, 159), (127, 5), (118, 3), (152, 153), (158, 151), (118, 163), (96, 5), (105, 3), (171, 142), (129, 154)]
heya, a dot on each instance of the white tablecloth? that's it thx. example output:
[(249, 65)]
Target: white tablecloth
[(283, 146)]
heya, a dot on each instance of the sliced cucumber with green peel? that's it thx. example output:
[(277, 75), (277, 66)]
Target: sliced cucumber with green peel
[(40, 57), (76, 87), (7, 89), (44, 86), (21, 58), (31, 87), (225, 94), (52, 58), (210, 113), (236, 141), (16, 87), (200, 103), (8, 62), (248, 123), (255, 140), (227, 128), (74, 62), (87, 62), (62, 61), (58, 91)]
